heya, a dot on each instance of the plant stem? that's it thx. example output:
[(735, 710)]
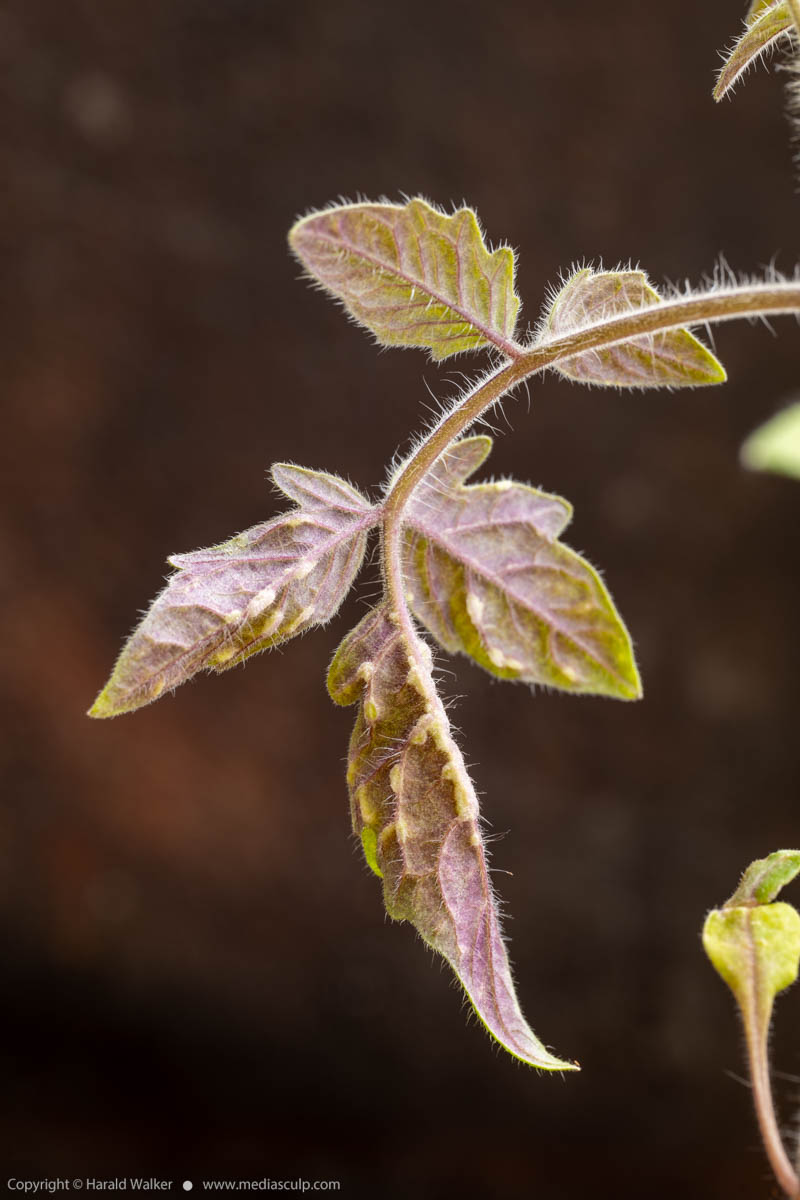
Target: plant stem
[(767, 1123), (756, 1028), (720, 305), (487, 392)]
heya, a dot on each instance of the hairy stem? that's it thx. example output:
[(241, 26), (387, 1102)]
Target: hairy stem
[(486, 393), (721, 305), (756, 1037)]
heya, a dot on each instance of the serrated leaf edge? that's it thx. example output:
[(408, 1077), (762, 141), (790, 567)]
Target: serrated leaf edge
[(490, 337)]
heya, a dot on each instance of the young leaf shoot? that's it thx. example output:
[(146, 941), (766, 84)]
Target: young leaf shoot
[(754, 944)]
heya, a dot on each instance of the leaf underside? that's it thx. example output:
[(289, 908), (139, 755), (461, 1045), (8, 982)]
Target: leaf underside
[(488, 578), (416, 813), (412, 275), (766, 25), (255, 591), (775, 445), (672, 358)]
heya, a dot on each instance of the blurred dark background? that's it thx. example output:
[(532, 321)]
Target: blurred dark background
[(198, 978)]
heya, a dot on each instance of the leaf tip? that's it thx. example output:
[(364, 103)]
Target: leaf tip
[(98, 710), (115, 700), (106, 705), (623, 681), (557, 1064), (703, 369), (721, 88), (716, 373)]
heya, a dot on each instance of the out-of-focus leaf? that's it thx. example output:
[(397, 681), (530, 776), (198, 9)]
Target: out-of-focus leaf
[(672, 358), (764, 878), (412, 275), (775, 445), (766, 25), (415, 810), (258, 589), (487, 576)]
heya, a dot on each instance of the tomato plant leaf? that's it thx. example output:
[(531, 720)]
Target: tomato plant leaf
[(414, 809), (754, 943), (764, 878), (412, 275), (757, 952), (255, 591), (672, 358), (487, 576), (766, 24)]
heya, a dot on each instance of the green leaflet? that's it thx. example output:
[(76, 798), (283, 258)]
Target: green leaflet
[(672, 358), (486, 574), (765, 877), (775, 445), (766, 24), (415, 810), (412, 275)]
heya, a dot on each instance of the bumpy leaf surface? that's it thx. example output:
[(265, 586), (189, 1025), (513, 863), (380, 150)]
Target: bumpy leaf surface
[(766, 25), (673, 358), (416, 813), (775, 445), (258, 589), (412, 275), (487, 576)]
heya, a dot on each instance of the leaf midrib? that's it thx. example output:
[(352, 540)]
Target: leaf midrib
[(440, 540), (491, 335)]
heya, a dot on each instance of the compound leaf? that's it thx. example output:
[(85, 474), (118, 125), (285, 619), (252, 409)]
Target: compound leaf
[(765, 25), (258, 589), (487, 576), (415, 810), (412, 275), (775, 445), (672, 358)]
